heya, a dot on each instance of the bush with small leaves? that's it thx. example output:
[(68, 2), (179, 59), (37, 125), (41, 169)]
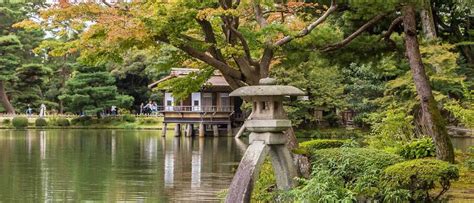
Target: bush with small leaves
[(419, 177), (41, 122), (62, 122), (6, 121), (418, 149), (20, 122), (129, 118)]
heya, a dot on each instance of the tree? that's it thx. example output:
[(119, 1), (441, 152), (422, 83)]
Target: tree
[(91, 91), (9, 46), (28, 85), (431, 117)]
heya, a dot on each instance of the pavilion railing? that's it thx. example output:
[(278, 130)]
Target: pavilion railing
[(196, 108)]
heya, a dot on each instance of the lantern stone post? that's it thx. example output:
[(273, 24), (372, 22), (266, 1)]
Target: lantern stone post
[(266, 125)]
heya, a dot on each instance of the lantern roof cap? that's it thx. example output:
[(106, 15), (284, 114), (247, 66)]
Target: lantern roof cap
[(267, 87)]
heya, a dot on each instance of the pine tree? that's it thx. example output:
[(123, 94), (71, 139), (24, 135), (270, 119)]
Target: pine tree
[(9, 45), (30, 79), (92, 90)]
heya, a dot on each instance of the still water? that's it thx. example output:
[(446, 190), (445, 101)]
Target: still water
[(114, 165)]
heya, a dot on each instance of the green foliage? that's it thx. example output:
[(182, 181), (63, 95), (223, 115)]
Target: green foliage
[(129, 118), (91, 91), (330, 133), (391, 129), (82, 120), (9, 46), (418, 149), (265, 187), (321, 81), (419, 177), (464, 114), (310, 146), (30, 80), (41, 122), (63, 122), (6, 121), (20, 122), (148, 120), (344, 174), (182, 87)]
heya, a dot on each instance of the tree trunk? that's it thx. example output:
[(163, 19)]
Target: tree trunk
[(427, 21), (432, 121), (4, 100)]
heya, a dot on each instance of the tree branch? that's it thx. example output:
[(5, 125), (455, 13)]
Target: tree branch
[(210, 37), (259, 15), (208, 59), (392, 27), (244, 45), (361, 29), (310, 27)]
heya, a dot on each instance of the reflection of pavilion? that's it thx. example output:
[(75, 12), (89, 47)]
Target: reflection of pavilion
[(195, 166)]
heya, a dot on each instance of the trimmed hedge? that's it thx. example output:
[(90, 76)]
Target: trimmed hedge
[(82, 120), (20, 122), (63, 122), (41, 122), (308, 147), (129, 118), (419, 176), (418, 149)]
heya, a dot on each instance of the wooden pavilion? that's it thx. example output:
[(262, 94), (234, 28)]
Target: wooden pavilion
[(209, 110)]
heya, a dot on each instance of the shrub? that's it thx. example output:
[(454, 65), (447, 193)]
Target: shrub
[(20, 122), (129, 118), (148, 121), (265, 186), (331, 133), (110, 119), (418, 149), (41, 122), (62, 122), (470, 161), (419, 177), (310, 146), (6, 121), (82, 120), (344, 174)]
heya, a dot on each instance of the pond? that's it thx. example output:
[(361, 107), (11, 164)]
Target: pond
[(114, 165), (118, 165)]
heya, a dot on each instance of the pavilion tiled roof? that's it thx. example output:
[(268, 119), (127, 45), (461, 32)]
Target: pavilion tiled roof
[(216, 80)]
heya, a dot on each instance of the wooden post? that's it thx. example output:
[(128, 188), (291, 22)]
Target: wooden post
[(189, 130), (229, 129), (215, 130), (163, 130), (177, 130), (201, 130)]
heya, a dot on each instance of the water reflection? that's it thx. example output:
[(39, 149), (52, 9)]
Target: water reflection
[(92, 165)]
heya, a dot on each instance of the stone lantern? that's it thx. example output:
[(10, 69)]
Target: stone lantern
[(266, 125)]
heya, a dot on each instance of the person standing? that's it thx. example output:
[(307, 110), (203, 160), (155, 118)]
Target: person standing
[(42, 110), (29, 111), (113, 110)]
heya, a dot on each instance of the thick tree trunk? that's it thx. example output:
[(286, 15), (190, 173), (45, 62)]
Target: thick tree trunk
[(432, 121), (427, 21), (4, 100)]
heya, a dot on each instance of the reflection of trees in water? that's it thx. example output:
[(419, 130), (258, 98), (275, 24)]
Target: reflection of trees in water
[(113, 166)]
